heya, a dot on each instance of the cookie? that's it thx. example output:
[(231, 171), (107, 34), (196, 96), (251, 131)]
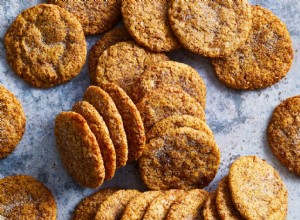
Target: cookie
[(108, 110), (257, 189), (147, 22), (167, 101), (12, 122), (132, 120), (99, 129), (95, 17), (79, 149), (46, 46), (283, 133), (137, 207), (110, 38), (211, 28), (263, 60), (178, 121), (210, 211), (189, 206), (88, 207), (225, 206), (23, 197), (159, 208), (114, 205), (174, 74), (183, 158), (124, 63)]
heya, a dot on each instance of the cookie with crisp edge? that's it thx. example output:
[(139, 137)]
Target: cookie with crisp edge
[(12, 122), (79, 149), (210, 211), (110, 114), (100, 130)]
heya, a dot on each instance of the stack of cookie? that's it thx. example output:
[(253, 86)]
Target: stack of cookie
[(100, 134)]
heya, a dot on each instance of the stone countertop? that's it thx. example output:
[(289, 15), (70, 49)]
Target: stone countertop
[(239, 119)]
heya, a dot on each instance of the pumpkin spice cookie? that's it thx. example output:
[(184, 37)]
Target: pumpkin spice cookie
[(183, 158), (211, 28), (132, 120), (175, 74), (95, 17), (283, 133), (189, 206), (23, 197), (263, 60), (124, 63), (147, 22), (46, 46), (12, 122), (167, 101), (79, 149), (108, 110), (257, 189), (210, 211), (110, 38), (99, 129)]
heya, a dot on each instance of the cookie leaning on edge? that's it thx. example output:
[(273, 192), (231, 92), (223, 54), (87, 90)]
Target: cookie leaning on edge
[(210, 211)]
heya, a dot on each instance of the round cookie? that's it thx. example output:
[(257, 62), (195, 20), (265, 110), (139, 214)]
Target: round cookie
[(167, 101), (136, 209), (108, 110), (132, 120), (95, 17), (114, 205), (12, 122), (124, 63), (174, 74), (147, 22), (189, 206), (257, 189), (79, 149), (283, 133), (88, 207), (210, 211), (211, 28), (182, 158), (225, 206), (159, 208), (46, 46), (100, 130), (263, 60), (110, 38), (23, 197)]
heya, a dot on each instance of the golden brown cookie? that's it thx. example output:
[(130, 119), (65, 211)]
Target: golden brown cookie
[(225, 206), (95, 16), (159, 208), (12, 122), (114, 205), (46, 46), (108, 110), (210, 211), (257, 189), (147, 22), (283, 133), (110, 38), (132, 120), (190, 206), (23, 197), (137, 207), (211, 28), (174, 74), (123, 64), (100, 130), (88, 207), (79, 149), (263, 60), (167, 101), (183, 158)]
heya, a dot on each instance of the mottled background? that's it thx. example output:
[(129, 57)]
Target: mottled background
[(238, 119)]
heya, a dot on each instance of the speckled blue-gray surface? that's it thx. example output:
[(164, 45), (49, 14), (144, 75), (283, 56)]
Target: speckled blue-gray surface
[(239, 119)]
